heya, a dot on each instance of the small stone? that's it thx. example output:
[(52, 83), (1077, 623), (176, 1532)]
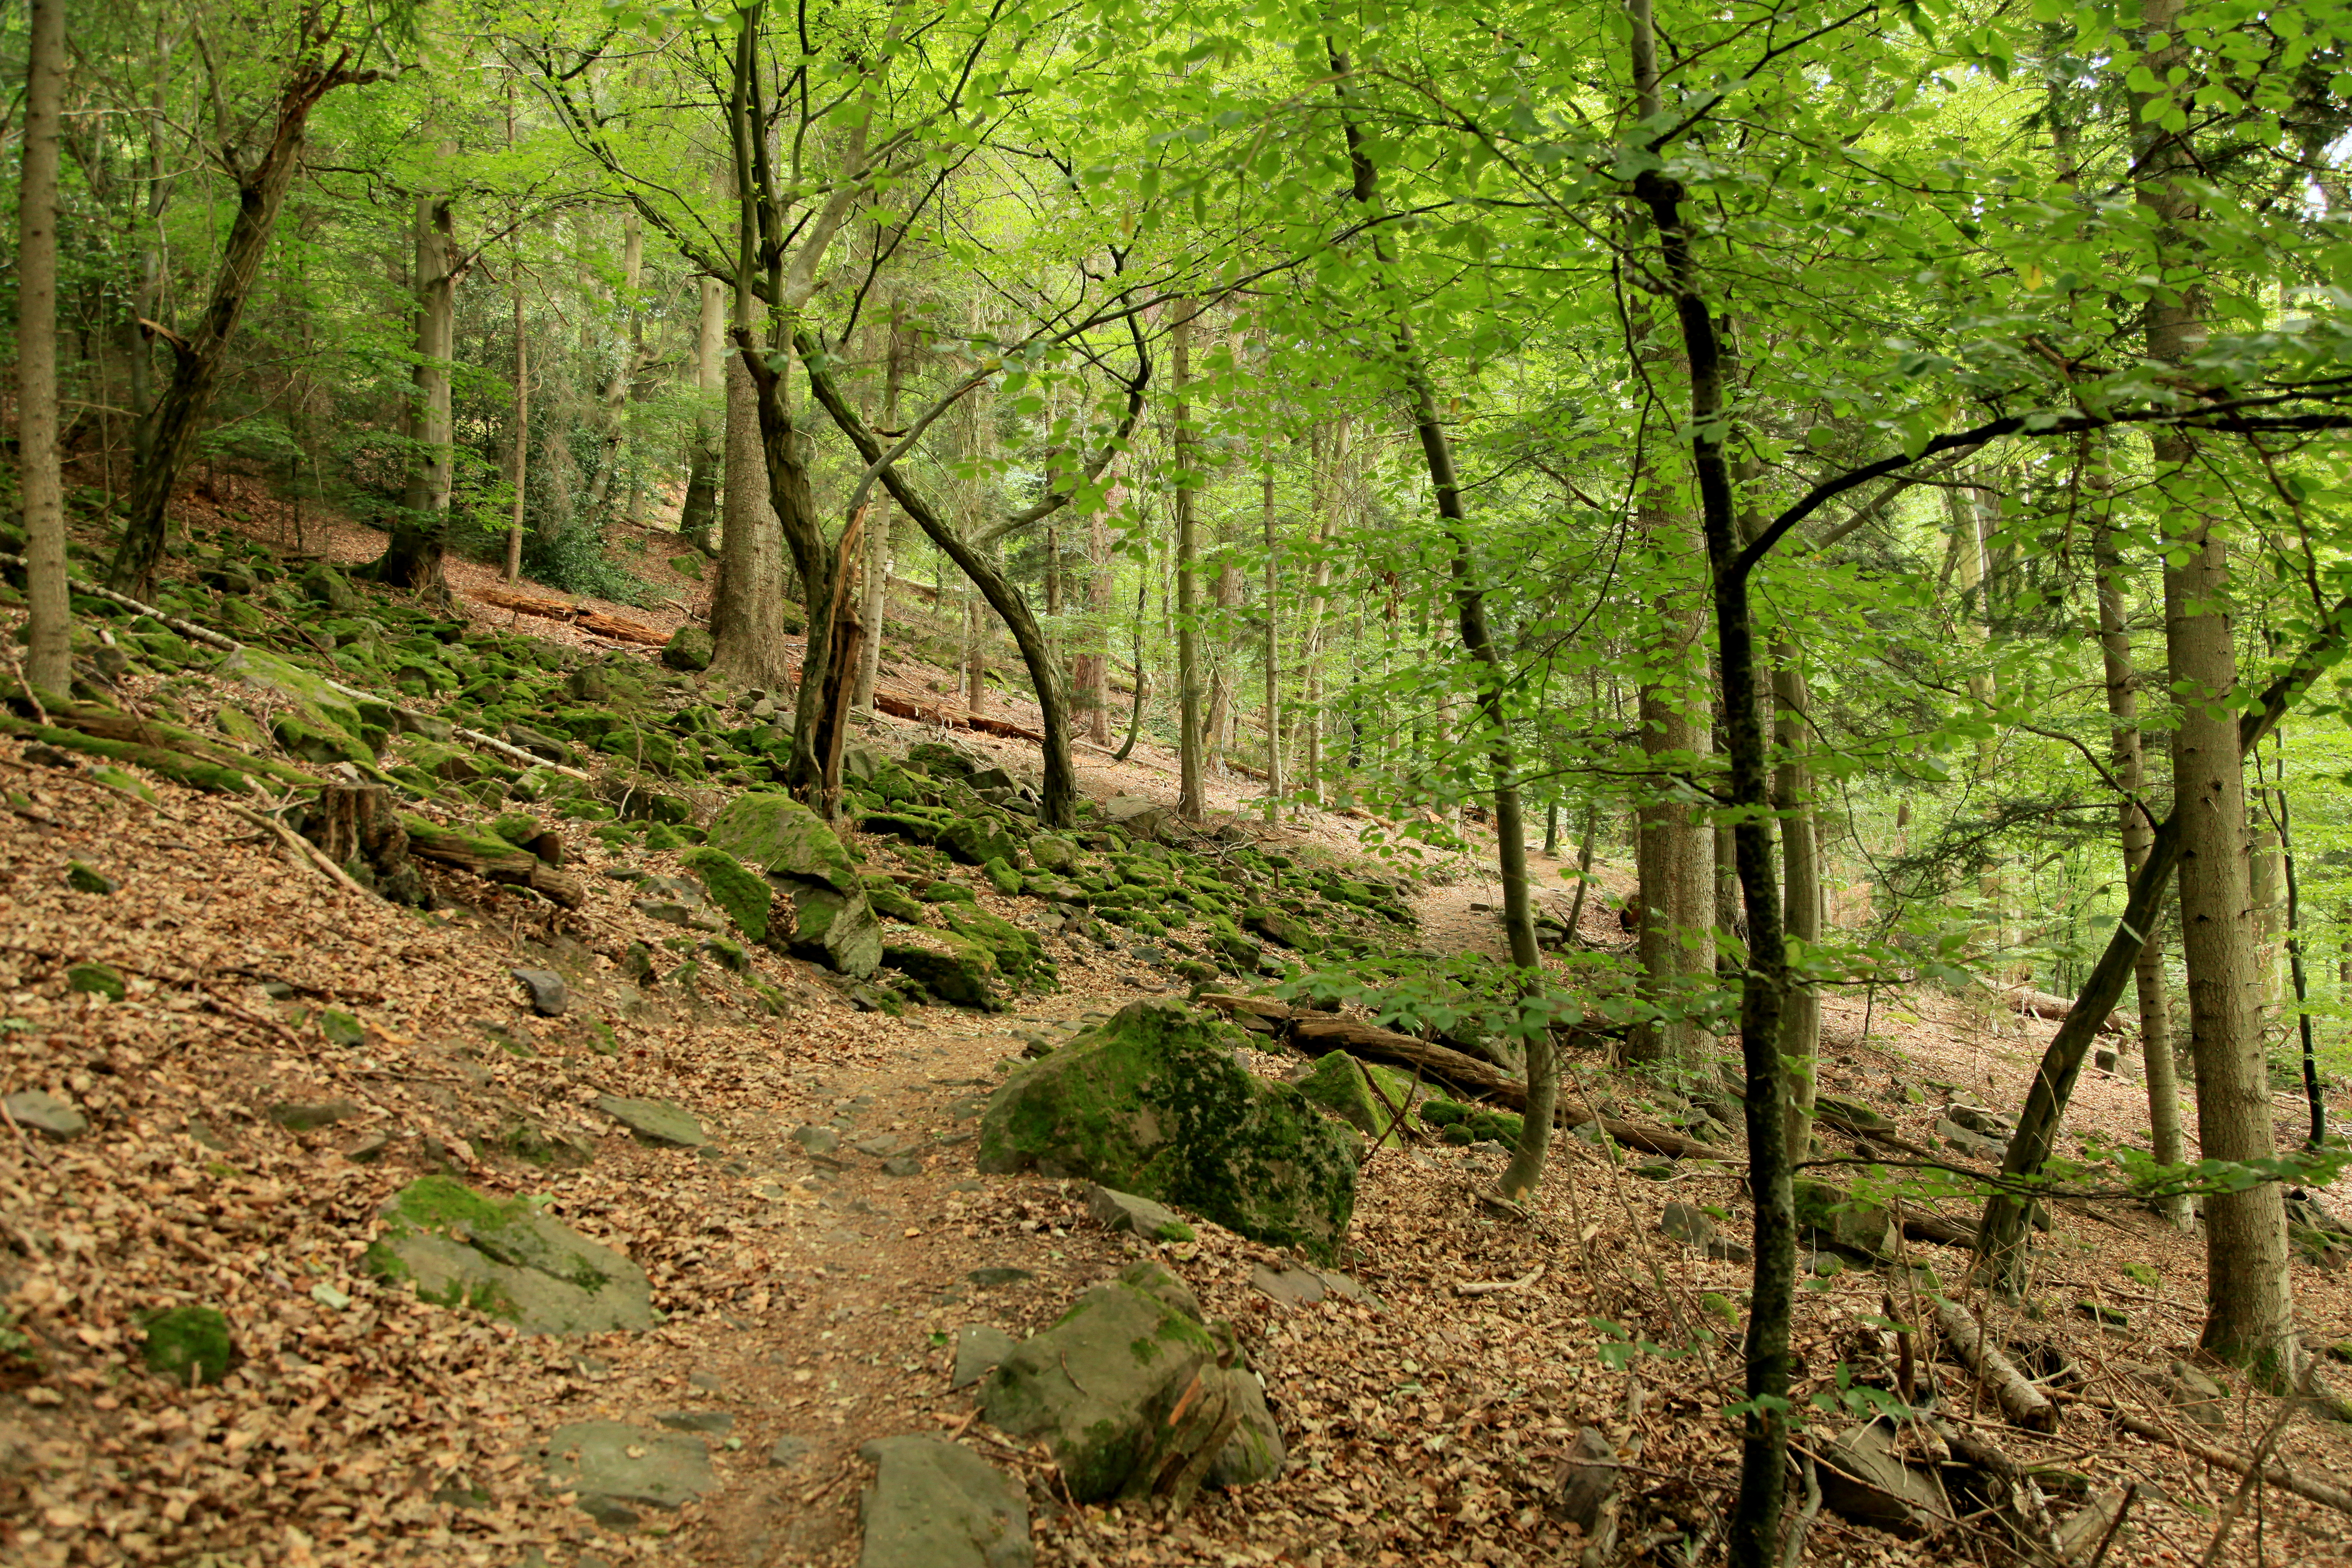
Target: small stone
[(1688, 1225), (369, 1149), (656, 1121), (788, 1451), (1125, 1211), (883, 1146), (97, 979), (548, 995), (327, 1295), (980, 1348), (902, 1166), (190, 1344), (610, 1466), (307, 1116), (341, 1028), (46, 1114), (1294, 1286), (2104, 1059), (987, 1278), (718, 1423), (816, 1140), (84, 878)]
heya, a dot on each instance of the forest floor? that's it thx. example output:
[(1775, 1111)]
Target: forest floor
[(234, 1158)]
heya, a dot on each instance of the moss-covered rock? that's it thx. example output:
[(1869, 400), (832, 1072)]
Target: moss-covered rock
[(1344, 1085), (1020, 955), (1053, 853), (1153, 1102), (889, 898), (1280, 926), (781, 837), (258, 671), (746, 898), (1002, 876), (689, 648), (976, 840), (836, 928), (97, 979), (190, 1344), (1833, 1219), (953, 968), (913, 823), (1128, 1386), (462, 1249)]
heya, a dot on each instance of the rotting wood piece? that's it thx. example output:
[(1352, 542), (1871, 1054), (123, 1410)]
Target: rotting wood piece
[(493, 860), (2023, 1404), (923, 713), (2230, 1460), (1319, 1034), (358, 827), (2043, 1005)]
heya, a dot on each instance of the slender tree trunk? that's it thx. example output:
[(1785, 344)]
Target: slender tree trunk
[(1800, 870), (2136, 832), (1190, 802), (1273, 661), (2315, 1101), (878, 532), (698, 516), (747, 603), (48, 632), (1328, 478), (613, 399), (1093, 669), (197, 358), (522, 438), (1754, 1529), (1671, 858), (1135, 710)]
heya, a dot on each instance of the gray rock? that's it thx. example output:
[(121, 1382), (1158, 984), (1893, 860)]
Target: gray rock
[(902, 1166), (1833, 1219), (883, 1145), (654, 1121), (307, 1116), (1297, 1286), (935, 1504), (788, 1451), (610, 1461), (548, 995), (1976, 1119), (1687, 1224), (718, 1423), (1111, 1388), (1973, 1144), (368, 1148), (987, 1278), (37, 1112), (1125, 1211), (1865, 1483), (461, 1249), (817, 1139), (981, 1348)]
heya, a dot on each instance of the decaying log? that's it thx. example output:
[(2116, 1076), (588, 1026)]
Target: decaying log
[(1320, 1033), (1935, 1227), (358, 827), (2015, 1494), (2022, 1403), (615, 627), (493, 860), (2043, 1005), (197, 772), (2230, 1460), (923, 713)]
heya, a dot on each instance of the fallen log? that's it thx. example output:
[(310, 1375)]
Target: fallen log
[(2230, 1460), (2043, 1005), (923, 713), (197, 772), (1319, 1034), (616, 627), (2023, 1404), (492, 859)]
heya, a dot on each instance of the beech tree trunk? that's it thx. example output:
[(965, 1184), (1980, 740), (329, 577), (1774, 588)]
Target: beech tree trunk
[(420, 529), (1671, 854), (878, 534), (698, 517), (48, 632), (521, 440), (1090, 671), (1273, 662), (747, 603), (1801, 874)]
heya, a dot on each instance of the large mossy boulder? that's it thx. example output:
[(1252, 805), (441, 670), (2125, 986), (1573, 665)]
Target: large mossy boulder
[(257, 671), (976, 840), (1368, 1098), (1153, 1102), (1129, 1388), (837, 929), (781, 837), (688, 649), (1020, 955), (462, 1249), (952, 968)]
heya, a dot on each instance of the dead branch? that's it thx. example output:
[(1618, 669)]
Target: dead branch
[(2021, 1402), (1496, 1287)]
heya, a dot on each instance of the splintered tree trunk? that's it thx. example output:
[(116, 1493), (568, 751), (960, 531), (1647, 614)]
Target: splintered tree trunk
[(844, 644), (358, 827), (2136, 831), (49, 627)]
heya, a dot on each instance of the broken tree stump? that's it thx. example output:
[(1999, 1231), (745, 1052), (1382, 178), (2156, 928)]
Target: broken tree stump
[(358, 827)]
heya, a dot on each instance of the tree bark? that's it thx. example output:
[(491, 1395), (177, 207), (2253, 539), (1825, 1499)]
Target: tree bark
[(2249, 1315), (420, 530), (1273, 662), (48, 632), (1189, 805), (197, 359), (878, 534), (1800, 870), (521, 440), (698, 517), (2133, 819)]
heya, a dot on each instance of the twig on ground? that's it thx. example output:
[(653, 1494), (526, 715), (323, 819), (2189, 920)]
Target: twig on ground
[(303, 847), (1496, 1287)]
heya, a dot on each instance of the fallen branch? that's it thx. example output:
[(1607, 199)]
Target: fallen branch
[(2021, 1402), (493, 860), (1497, 1287), (2230, 1460)]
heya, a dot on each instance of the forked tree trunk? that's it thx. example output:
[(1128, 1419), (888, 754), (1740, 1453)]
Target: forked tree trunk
[(197, 359), (49, 625)]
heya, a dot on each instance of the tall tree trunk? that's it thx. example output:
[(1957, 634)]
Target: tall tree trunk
[(2250, 1314), (747, 603), (197, 359), (698, 517), (878, 531), (522, 439), (420, 531), (1672, 858), (1800, 872), (2135, 831), (1327, 481), (1091, 670), (1190, 802), (1753, 1532), (612, 399), (1273, 661), (48, 632)]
